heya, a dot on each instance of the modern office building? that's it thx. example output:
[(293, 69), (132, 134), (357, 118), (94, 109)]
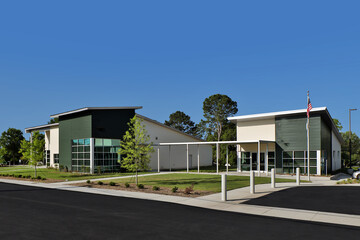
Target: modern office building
[(88, 139), (279, 140)]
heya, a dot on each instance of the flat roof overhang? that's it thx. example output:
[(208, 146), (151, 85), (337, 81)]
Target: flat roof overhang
[(213, 143), (41, 128), (92, 108)]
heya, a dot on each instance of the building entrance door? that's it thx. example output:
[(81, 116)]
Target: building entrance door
[(255, 163)]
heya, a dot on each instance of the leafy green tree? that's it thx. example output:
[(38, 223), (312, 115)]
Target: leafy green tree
[(135, 148), (33, 151), (53, 120), (355, 149), (338, 124), (182, 122), (10, 145), (217, 108)]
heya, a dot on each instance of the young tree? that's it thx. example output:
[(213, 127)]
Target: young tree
[(33, 151), (182, 122), (135, 148), (217, 108), (53, 120), (338, 124), (10, 144), (355, 149)]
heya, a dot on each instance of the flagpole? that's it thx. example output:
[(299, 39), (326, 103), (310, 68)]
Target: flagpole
[(308, 138)]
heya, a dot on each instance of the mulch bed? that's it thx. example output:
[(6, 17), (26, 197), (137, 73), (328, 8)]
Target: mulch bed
[(146, 189), (32, 180)]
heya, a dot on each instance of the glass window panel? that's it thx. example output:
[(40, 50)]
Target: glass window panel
[(80, 155), (81, 141), (74, 162), (245, 154), (80, 162), (87, 149), (288, 154), (271, 154), (87, 162), (87, 141), (80, 149), (313, 170), (313, 162), (298, 162), (107, 142), (313, 154), (74, 149), (271, 162), (107, 149), (98, 142), (75, 142), (74, 155), (299, 154), (99, 149), (115, 142), (87, 155)]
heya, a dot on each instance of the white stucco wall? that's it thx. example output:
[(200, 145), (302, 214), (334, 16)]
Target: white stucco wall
[(256, 130), (177, 160), (336, 152), (52, 142)]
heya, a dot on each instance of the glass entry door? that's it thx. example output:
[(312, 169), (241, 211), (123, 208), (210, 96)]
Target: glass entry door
[(254, 161)]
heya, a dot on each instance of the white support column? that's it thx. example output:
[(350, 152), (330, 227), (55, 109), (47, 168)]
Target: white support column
[(169, 158), (227, 159), (273, 178), (252, 182), (92, 155), (267, 159), (158, 152), (258, 159), (298, 176), (187, 158), (223, 188), (217, 158), (198, 148), (239, 159)]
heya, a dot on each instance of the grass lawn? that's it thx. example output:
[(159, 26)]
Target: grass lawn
[(56, 174), (202, 182), (210, 169)]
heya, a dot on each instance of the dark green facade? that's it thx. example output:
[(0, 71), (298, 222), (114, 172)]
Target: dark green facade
[(290, 135), (111, 124)]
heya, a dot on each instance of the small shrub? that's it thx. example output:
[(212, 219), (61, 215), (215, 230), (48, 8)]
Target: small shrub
[(43, 178), (190, 189), (156, 188), (112, 184), (19, 176), (61, 168), (88, 181), (98, 168), (127, 185), (28, 176), (140, 186), (24, 176), (174, 189), (39, 177), (100, 183), (33, 178)]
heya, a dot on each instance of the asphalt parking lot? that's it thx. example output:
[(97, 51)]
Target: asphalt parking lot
[(40, 213), (336, 199)]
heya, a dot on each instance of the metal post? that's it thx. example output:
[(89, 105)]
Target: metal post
[(223, 188), (217, 158), (187, 158), (158, 159), (298, 176), (198, 148), (170, 158), (227, 159), (267, 159), (252, 182), (273, 178), (239, 159), (258, 159)]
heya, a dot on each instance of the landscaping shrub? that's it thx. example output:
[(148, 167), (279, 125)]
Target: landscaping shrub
[(190, 189), (19, 176), (156, 188), (61, 168), (39, 177), (23, 176), (43, 179), (100, 183), (88, 181), (98, 168), (112, 184), (127, 185), (174, 189), (140, 186), (28, 176)]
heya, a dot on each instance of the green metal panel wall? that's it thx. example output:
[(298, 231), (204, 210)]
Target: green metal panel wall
[(72, 127), (290, 134), (111, 123), (326, 146)]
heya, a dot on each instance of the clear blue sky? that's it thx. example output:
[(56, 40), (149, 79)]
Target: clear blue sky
[(171, 55)]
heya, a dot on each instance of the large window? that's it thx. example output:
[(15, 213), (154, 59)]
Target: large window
[(80, 155), (298, 159), (106, 158), (271, 160), (247, 157)]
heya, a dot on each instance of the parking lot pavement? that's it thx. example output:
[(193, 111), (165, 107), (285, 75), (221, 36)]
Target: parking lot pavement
[(42, 213), (336, 199)]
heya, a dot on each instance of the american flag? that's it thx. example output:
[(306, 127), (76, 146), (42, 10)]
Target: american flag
[(309, 107)]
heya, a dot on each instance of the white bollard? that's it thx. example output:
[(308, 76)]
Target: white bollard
[(223, 188), (273, 178), (252, 182), (298, 176)]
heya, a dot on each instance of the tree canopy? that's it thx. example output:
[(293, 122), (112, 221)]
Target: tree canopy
[(33, 151), (10, 145), (182, 122), (53, 120), (355, 149), (338, 124), (135, 148)]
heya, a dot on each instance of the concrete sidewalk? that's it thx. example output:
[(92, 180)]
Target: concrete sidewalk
[(213, 201)]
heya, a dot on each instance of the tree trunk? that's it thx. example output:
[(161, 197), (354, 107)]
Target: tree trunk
[(136, 178)]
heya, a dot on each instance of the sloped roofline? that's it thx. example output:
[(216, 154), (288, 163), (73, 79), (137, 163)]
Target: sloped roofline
[(41, 127), (92, 108)]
